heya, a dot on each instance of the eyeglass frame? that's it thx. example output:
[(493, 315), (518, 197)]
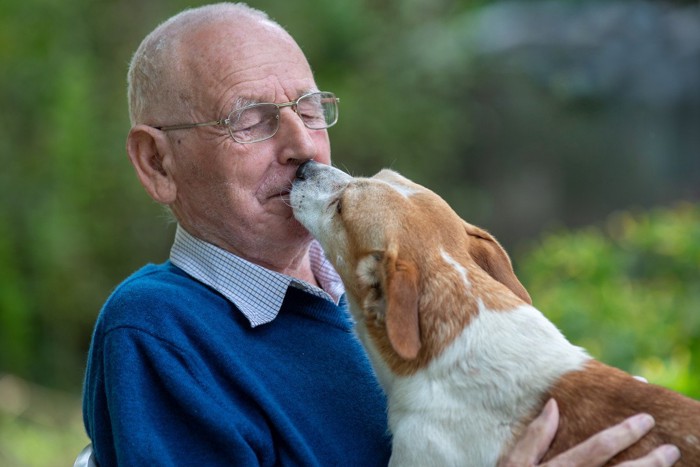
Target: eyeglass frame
[(226, 121)]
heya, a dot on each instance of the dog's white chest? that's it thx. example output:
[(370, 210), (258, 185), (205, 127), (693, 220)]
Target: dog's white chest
[(445, 435)]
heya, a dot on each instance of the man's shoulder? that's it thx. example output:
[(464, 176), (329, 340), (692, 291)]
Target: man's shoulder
[(155, 295), (153, 282)]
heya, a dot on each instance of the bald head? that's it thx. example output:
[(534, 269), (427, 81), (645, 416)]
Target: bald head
[(166, 67)]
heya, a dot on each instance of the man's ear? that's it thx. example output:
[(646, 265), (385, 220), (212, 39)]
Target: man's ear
[(492, 258), (150, 153)]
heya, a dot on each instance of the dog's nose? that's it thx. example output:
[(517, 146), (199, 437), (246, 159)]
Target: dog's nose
[(304, 170)]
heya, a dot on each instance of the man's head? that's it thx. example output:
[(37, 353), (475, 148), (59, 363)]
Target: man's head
[(197, 67)]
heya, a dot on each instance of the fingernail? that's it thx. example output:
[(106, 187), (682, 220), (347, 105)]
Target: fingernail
[(549, 406), (670, 453), (644, 421)]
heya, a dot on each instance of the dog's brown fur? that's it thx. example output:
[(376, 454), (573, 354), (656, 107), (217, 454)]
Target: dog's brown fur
[(600, 396)]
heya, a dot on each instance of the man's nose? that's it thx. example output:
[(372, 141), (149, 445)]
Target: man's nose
[(298, 145)]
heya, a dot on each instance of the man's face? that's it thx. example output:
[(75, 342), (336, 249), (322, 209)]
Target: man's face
[(236, 195)]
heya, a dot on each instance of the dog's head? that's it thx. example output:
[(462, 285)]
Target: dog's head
[(415, 269)]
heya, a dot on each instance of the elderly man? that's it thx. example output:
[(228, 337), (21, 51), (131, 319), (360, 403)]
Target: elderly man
[(239, 349)]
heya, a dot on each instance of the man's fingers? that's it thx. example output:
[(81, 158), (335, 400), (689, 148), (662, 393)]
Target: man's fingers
[(536, 440), (599, 448), (663, 456), (594, 452)]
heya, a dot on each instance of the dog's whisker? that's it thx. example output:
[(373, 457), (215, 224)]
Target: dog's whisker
[(285, 199)]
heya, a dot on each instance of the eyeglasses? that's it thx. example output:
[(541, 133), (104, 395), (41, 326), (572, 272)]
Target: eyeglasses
[(258, 122)]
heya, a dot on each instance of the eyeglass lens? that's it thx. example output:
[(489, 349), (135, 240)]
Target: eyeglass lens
[(257, 122)]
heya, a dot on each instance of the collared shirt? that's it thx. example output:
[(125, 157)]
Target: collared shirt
[(256, 291)]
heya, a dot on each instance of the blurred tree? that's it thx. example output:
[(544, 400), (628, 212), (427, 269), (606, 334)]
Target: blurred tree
[(66, 187)]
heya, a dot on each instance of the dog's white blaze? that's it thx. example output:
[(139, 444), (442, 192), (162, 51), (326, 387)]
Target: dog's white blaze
[(460, 269), (478, 388), (404, 190)]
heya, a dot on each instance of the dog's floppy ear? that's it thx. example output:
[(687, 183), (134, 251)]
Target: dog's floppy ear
[(401, 297), (493, 259)]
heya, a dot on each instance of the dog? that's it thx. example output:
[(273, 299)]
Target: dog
[(465, 359)]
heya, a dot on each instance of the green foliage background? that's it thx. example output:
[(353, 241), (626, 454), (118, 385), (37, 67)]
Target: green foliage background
[(541, 158), (628, 291)]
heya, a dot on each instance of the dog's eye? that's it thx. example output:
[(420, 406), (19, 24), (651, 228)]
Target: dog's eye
[(339, 206)]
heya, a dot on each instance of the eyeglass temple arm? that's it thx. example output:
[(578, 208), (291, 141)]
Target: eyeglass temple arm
[(185, 126)]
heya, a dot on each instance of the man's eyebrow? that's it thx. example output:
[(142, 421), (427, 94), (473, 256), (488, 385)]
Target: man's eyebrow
[(307, 91), (242, 101)]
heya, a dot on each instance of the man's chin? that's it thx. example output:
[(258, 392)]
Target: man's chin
[(298, 230)]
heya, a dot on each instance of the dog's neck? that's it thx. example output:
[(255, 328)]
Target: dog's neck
[(507, 348), (500, 351)]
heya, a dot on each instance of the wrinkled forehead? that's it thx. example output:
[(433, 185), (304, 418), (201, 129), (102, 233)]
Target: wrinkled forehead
[(248, 58)]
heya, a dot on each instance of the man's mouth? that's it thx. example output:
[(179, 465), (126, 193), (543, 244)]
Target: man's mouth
[(276, 191), (283, 194)]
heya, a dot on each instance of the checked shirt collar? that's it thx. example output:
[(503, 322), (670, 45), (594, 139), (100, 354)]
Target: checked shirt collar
[(256, 291)]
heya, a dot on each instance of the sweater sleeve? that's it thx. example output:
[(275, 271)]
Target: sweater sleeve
[(163, 410)]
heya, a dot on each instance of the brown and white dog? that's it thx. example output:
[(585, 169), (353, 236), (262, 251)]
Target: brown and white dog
[(465, 359)]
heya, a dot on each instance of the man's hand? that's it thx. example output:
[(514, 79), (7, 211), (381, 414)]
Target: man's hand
[(593, 452)]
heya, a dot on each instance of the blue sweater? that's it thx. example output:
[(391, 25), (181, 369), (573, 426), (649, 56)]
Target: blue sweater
[(177, 376)]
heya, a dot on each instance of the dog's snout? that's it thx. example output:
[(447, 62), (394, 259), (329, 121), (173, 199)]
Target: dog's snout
[(323, 176), (304, 170)]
